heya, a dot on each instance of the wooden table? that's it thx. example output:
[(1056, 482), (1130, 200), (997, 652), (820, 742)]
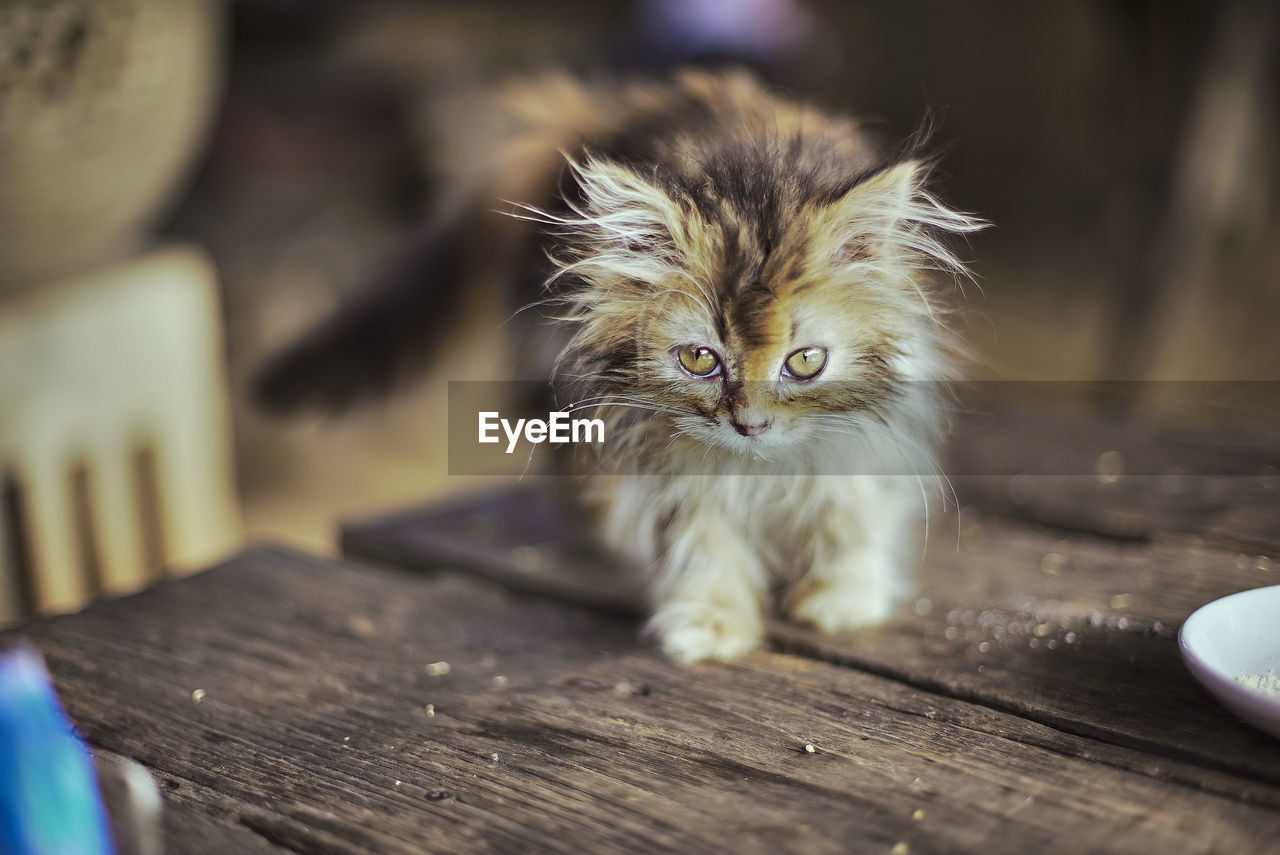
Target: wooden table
[(1031, 700)]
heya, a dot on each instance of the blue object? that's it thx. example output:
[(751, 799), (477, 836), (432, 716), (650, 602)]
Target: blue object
[(49, 801)]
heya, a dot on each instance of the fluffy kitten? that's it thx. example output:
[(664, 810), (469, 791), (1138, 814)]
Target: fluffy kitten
[(743, 299)]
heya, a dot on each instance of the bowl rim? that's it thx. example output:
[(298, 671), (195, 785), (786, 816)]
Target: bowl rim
[(1216, 679)]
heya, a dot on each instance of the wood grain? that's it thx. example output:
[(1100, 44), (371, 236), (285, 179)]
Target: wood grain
[(1075, 632), (1096, 459), (193, 819), (313, 733)]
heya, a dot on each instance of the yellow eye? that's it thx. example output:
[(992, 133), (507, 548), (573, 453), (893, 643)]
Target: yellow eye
[(806, 363), (698, 360)]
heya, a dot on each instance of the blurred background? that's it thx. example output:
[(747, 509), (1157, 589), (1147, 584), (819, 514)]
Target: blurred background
[(1126, 153)]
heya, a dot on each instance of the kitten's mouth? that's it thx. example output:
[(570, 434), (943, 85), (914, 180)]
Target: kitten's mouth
[(758, 445), (750, 430)]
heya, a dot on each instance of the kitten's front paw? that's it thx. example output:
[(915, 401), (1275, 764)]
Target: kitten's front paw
[(836, 608), (691, 632)]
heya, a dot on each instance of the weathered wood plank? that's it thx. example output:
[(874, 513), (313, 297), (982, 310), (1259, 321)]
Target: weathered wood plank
[(1037, 452), (1061, 428), (193, 819), (1075, 632), (313, 732), (1234, 513), (525, 538)]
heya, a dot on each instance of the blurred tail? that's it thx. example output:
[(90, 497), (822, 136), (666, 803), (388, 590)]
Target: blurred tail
[(368, 348)]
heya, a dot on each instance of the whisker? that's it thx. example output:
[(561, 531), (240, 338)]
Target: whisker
[(946, 488), (629, 405), (630, 399)]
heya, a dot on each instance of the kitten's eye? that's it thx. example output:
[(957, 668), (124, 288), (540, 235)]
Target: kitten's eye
[(806, 363), (698, 360)]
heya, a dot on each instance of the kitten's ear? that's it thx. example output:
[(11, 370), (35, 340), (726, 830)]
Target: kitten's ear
[(622, 212), (870, 213), (890, 213)]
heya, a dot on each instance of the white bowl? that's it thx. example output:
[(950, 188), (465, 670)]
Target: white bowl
[(1231, 637)]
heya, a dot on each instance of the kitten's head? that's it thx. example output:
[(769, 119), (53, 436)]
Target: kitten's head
[(753, 301)]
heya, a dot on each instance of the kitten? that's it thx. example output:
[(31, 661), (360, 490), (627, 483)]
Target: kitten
[(744, 301)]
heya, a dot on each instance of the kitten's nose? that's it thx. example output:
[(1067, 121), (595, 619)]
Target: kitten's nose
[(751, 430)]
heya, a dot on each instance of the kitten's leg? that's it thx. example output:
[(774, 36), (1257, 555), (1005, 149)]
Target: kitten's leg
[(865, 553), (707, 591)]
